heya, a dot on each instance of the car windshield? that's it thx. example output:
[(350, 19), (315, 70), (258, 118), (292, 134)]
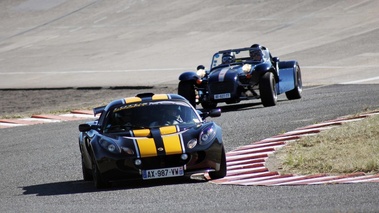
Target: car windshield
[(239, 56), (150, 115)]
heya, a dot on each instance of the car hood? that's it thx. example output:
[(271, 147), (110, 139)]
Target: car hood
[(157, 141), (167, 140), (227, 73)]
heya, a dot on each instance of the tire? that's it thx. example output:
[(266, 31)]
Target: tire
[(296, 92), (87, 174), (222, 172), (98, 181), (187, 90), (267, 90)]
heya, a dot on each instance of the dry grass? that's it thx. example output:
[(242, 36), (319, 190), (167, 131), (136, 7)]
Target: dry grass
[(353, 147)]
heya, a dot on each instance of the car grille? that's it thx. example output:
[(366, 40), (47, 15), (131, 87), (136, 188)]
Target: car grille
[(162, 162), (221, 87)]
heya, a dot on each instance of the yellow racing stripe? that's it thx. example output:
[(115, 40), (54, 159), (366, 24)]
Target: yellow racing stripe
[(172, 144), (132, 100), (160, 97), (147, 147), (141, 132), (167, 130)]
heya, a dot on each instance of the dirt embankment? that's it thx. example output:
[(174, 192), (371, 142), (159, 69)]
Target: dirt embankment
[(23, 103)]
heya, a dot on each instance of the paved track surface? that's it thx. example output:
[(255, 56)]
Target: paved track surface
[(42, 172), (110, 43)]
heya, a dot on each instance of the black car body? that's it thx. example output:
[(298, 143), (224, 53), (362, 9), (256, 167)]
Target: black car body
[(237, 74), (150, 136)]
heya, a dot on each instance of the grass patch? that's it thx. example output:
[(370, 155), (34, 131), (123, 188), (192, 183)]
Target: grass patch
[(353, 147)]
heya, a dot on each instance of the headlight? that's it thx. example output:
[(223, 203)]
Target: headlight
[(207, 135), (192, 143), (110, 146), (200, 73), (246, 68), (127, 150)]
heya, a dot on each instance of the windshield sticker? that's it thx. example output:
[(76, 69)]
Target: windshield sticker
[(129, 106), (135, 105)]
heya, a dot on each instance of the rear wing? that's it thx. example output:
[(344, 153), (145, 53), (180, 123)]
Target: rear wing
[(98, 110)]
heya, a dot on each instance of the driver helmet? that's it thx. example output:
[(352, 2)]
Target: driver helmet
[(172, 110), (256, 54), (228, 57), (172, 113), (200, 67)]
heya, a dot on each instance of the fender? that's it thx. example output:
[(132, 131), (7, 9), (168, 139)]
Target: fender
[(266, 67), (188, 76), (287, 64), (94, 147), (287, 76)]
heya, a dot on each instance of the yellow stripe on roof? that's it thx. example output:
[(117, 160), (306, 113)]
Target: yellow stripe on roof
[(132, 100), (160, 97)]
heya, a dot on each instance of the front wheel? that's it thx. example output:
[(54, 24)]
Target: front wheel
[(98, 180), (222, 171), (267, 90), (87, 175), (187, 90)]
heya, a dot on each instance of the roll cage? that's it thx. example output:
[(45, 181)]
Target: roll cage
[(241, 56)]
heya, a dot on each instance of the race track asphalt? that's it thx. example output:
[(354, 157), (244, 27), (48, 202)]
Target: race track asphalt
[(43, 165)]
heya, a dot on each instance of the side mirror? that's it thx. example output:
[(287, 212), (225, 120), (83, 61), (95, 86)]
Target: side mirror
[(87, 127), (212, 113), (275, 59), (215, 113), (84, 127)]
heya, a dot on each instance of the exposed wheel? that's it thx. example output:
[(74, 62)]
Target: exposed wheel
[(99, 182), (222, 172), (267, 90), (187, 90), (296, 92), (87, 174)]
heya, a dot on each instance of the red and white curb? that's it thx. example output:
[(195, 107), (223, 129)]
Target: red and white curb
[(246, 164), (47, 118)]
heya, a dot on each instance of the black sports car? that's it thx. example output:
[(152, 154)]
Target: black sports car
[(150, 136), (242, 74)]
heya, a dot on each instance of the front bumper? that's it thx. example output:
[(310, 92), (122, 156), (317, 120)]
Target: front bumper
[(114, 168), (226, 87)]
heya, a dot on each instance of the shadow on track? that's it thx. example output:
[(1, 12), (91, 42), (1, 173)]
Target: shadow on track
[(80, 186), (242, 107)]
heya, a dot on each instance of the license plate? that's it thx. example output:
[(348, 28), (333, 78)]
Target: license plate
[(221, 96), (162, 173)]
